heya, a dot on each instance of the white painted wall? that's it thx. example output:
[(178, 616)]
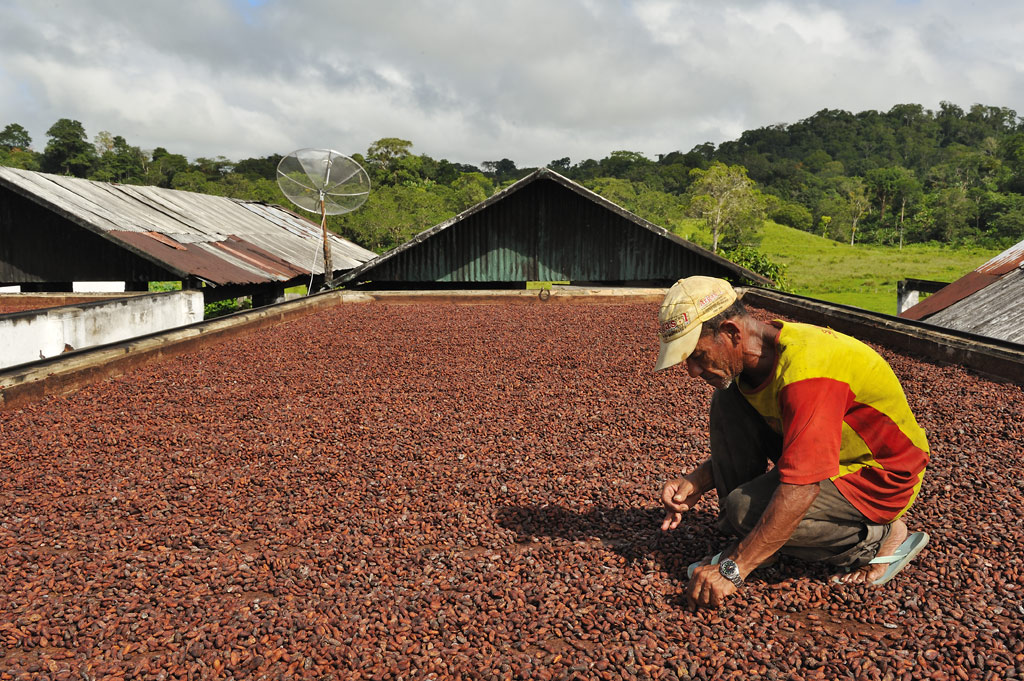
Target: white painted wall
[(97, 286), (79, 287), (31, 336)]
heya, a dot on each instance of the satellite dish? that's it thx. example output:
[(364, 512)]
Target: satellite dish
[(326, 182)]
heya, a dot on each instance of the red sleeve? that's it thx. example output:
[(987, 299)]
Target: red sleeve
[(812, 429)]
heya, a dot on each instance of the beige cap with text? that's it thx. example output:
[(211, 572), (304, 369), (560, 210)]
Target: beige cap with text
[(688, 304)]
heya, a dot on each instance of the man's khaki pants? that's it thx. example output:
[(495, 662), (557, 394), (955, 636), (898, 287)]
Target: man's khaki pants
[(832, 531)]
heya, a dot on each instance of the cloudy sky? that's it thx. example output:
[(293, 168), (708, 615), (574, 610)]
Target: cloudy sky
[(478, 80)]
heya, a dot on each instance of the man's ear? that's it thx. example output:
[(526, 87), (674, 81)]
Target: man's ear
[(732, 330)]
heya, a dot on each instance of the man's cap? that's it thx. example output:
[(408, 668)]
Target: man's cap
[(687, 305)]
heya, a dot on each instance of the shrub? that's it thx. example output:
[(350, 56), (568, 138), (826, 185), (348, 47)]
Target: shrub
[(756, 261), (793, 215)]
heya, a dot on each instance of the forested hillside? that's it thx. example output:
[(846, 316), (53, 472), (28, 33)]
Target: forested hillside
[(906, 175)]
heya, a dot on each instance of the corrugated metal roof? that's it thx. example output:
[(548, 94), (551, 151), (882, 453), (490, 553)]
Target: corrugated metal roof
[(218, 239), (969, 285), (995, 311), (1008, 260), (537, 235)]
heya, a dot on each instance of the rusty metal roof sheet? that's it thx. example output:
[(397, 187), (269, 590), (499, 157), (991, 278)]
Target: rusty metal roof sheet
[(994, 311), (218, 239), (985, 301), (593, 240), (1007, 261), (972, 282)]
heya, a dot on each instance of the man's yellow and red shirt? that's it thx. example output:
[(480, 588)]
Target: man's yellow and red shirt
[(843, 416)]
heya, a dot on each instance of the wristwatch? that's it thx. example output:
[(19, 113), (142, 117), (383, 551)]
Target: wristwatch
[(728, 569)]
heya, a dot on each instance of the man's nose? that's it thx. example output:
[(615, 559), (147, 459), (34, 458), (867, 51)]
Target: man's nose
[(692, 368)]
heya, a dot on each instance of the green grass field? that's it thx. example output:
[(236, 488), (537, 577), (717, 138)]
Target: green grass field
[(861, 275)]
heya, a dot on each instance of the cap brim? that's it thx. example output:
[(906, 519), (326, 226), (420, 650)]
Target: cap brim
[(676, 350)]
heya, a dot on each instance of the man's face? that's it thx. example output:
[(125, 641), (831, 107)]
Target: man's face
[(715, 360)]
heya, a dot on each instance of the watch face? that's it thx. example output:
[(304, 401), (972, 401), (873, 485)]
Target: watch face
[(730, 571)]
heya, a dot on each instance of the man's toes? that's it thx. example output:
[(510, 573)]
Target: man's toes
[(858, 576)]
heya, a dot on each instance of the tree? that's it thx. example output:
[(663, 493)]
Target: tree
[(213, 168), (68, 151), (881, 183), (14, 136), (383, 157), (256, 168), (392, 215), (729, 202), (191, 181), (103, 142), (560, 165), (19, 158), (792, 215), (952, 213), (663, 209), (857, 204), (119, 161), (502, 170), (628, 165), (1012, 150), (470, 189), (1002, 215), (906, 191), (164, 167)]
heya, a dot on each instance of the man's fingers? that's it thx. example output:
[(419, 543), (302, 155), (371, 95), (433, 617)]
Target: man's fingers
[(671, 521)]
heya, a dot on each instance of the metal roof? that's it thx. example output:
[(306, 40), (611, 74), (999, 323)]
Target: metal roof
[(220, 240), (985, 301), (994, 311), (536, 234)]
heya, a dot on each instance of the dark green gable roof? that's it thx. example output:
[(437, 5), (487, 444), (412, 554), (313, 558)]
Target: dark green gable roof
[(545, 228)]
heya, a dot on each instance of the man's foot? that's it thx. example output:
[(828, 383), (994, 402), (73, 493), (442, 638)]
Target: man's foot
[(872, 572)]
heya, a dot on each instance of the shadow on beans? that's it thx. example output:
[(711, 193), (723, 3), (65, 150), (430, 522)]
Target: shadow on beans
[(633, 533)]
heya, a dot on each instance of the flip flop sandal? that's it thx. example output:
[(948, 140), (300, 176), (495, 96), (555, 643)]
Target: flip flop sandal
[(910, 547), (906, 551), (693, 566)]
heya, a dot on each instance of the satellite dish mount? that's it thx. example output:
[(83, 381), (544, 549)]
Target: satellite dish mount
[(326, 182)]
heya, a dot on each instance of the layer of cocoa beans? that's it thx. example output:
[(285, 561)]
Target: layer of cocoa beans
[(444, 492), (12, 306)]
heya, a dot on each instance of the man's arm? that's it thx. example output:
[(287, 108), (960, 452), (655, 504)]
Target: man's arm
[(786, 509), (784, 512)]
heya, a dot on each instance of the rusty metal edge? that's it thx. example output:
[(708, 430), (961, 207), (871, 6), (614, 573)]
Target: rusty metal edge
[(996, 359)]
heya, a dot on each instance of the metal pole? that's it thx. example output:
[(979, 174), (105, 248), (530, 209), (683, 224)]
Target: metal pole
[(328, 267)]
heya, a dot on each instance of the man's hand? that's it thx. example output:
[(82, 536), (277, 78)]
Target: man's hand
[(708, 588), (678, 496)]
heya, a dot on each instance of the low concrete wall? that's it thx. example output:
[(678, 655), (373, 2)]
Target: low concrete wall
[(39, 334)]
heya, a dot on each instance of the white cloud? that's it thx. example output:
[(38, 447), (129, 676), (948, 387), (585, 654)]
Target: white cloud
[(530, 80)]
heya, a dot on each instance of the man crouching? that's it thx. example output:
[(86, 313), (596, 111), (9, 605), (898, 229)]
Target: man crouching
[(826, 410)]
